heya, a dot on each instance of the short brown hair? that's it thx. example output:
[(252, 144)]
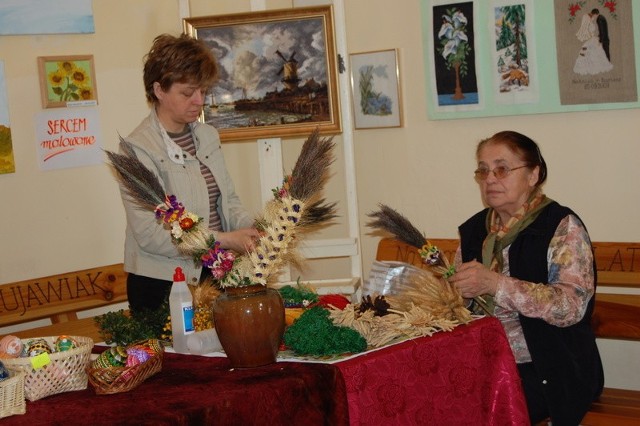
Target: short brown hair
[(523, 146), (182, 59)]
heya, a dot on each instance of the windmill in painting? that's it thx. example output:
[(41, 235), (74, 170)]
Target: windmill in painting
[(289, 70)]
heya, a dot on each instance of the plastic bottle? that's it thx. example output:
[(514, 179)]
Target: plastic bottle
[(204, 342), (181, 307)]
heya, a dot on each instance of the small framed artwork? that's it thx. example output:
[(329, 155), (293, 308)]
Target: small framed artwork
[(67, 81), (278, 74), (375, 89)]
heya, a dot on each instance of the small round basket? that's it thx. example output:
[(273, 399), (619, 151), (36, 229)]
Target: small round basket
[(109, 380), (65, 372), (12, 394)]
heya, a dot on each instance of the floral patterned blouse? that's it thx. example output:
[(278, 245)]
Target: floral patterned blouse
[(563, 302)]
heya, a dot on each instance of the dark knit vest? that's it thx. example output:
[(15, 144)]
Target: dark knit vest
[(566, 359)]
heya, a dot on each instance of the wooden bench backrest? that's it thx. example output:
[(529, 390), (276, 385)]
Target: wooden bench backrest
[(616, 316), (59, 297)]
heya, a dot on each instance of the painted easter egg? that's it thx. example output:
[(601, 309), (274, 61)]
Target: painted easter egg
[(4, 373), (137, 355), (11, 346), (64, 343), (37, 346)]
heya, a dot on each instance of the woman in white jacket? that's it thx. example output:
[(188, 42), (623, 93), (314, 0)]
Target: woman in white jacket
[(187, 158)]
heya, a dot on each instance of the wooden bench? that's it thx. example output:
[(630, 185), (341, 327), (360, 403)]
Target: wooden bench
[(59, 298), (616, 316)]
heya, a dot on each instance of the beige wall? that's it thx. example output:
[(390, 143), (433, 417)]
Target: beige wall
[(64, 220), (425, 169)]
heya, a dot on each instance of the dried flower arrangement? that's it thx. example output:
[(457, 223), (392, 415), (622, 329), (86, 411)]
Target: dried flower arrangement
[(295, 207), (435, 291), (433, 305)]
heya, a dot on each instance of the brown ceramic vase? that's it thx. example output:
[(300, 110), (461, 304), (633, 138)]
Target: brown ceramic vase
[(250, 323)]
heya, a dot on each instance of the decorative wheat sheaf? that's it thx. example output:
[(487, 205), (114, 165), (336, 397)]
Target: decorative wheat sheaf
[(297, 206)]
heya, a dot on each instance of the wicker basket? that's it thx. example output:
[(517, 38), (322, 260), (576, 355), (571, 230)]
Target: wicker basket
[(111, 380), (65, 372), (12, 395)]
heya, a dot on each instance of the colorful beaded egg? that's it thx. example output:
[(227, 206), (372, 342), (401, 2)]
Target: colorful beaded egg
[(64, 343), (115, 356), (36, 347)]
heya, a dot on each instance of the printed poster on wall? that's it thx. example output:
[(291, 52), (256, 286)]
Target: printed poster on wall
[(68, 137), (506, 57), (515, 77), (453, 53), (596, 54)]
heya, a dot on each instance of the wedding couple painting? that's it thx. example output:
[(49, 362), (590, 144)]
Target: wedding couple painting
[(595, 51), (594, 57)]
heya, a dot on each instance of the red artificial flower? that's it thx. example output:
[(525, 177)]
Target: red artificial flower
[(611, 5), (574, 8), (336, 300), (186, 223)]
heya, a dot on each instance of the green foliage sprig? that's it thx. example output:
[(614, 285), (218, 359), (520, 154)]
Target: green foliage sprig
[(295, 296), (126, 327)]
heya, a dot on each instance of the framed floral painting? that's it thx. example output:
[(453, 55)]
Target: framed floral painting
[(67, 81), (278, 74)]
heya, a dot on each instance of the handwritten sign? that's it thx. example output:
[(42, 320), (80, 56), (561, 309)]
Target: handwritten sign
[(68, 137)]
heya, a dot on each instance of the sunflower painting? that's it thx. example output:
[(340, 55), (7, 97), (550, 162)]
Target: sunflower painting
[(67, 81)]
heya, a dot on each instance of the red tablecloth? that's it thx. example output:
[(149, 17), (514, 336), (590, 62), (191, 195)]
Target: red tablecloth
[(194, 390), (464, 377)]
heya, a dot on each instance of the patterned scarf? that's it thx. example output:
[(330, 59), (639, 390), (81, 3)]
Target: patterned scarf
[(501, 236)]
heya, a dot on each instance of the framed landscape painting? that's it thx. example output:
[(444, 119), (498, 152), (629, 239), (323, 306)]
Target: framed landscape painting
[(375, 86), (277, 72)]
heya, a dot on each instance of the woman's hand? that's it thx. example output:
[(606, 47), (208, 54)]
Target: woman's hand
[(241, 240), (474, 279)]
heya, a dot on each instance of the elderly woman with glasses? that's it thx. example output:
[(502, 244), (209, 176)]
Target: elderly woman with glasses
[(528, 260)]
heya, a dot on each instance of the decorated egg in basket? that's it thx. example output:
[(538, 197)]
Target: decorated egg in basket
[(64, 343), (10, 347), (38, 346), (113, 357), (4, 373), (137, 355)]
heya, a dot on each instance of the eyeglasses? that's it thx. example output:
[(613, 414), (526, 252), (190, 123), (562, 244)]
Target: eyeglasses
[(499, 172)]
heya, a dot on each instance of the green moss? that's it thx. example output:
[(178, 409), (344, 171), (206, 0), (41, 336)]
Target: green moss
[(315, 334)]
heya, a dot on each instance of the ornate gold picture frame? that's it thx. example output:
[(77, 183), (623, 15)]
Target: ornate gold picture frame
[(278, 75)]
